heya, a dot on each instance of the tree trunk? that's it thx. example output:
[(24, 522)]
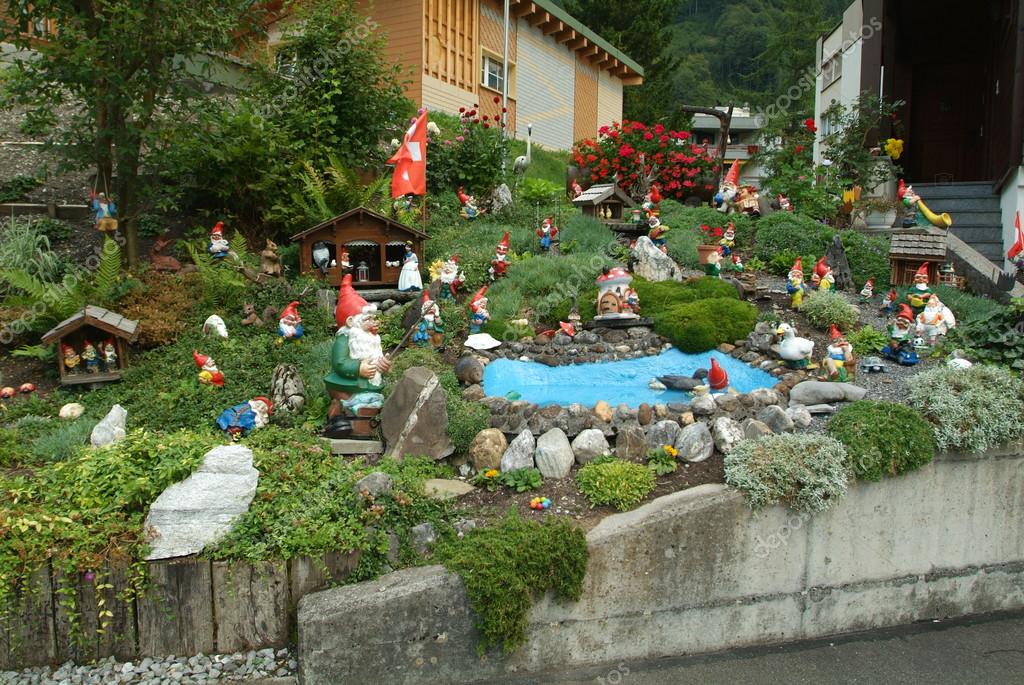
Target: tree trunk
[(724, 123)]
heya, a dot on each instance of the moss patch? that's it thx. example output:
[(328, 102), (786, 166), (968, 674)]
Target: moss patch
[(882, 438)]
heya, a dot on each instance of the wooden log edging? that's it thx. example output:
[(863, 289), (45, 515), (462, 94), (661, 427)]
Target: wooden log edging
[(189, 605)]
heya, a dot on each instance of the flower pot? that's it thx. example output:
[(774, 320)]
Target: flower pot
[(704, 250), (880, 219)]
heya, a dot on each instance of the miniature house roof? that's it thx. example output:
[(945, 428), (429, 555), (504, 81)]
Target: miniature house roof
[(363, 213), (615, 276), (930, 243), (595, 195), (98, 317)]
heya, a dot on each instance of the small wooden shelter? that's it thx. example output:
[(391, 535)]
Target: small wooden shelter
[(97, 326), (375, 246), (606, 202), (909, 249)]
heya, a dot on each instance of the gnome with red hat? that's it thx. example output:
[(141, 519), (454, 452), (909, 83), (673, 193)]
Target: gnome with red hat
[(90, 357), (218, 246), (901, 328), (868, 293), (71, 359), (546, 233), (451, 278), (652, 202), (795, 285), (917, 296), (469, 208), (499, 265), (840, 361), (289, 326), (430, 329), (727, 191), (209, 374), (823, 278), (358, 363), (244, 418), (889, 301), (478, 308)]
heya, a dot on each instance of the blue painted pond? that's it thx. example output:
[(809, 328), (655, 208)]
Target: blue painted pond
[(619, 382)]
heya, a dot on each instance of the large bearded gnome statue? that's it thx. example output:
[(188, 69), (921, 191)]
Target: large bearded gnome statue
[(357, 364)]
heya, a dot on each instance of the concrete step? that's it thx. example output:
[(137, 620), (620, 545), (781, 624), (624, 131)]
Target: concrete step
[(969, 233), (938, 190), (976, 217), (962, 204)]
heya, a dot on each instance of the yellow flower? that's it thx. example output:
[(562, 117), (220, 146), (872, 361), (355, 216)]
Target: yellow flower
[(671, 451), (491, 473), (894, 147)]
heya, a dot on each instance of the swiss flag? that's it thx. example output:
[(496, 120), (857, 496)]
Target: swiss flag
[(411, 161), (1018, 246)]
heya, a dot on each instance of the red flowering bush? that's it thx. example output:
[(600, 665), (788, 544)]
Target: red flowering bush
[(711, 234), (468, 153), (638, 155)]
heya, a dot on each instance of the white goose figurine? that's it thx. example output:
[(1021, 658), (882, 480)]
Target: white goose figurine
[(793, 348)]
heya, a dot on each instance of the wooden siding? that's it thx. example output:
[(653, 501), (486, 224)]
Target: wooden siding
[(492, 35), (585, 115), (451, 42), (609, 99), (445, 97), (404, 23), (545, 88)]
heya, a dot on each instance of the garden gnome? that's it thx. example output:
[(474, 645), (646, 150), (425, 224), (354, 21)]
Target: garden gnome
[(901, 329), (430, 329), (357, 362), (499, 265), (90, 357), (546, 232), (889, 301), (747, 199), (934, 320), (657, 233), (577, 189), (919, 293), (469, 208), (242, 419), (737, 263), (219, 246), (912, 201), (823, 278), (713, 265), (451, 278), (631, 300), (840, 362), (110, 355), (478, 308), (727, 191), (784, 204), (868, 292), (209, 374), (652, 202), (728, 241), (104, 211), (71, 359), (409, 278), (289, 326), (795, 285), (718, 379), (270, 262)]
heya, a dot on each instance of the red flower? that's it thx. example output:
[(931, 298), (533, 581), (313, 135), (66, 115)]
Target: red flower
[(497, 99), (626, 150), (659, 129), (485, 117), (718, 231), (809, 124), (798, 149), (648, 136), (688, 184), (486, 125), (504, 110), (462, 110)]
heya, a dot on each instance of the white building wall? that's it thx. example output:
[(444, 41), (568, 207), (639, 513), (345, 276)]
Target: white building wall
[(609, 99), (545, 85), (1010, 202)]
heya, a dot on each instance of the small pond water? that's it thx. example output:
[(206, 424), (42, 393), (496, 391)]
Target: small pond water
[(618, 382)]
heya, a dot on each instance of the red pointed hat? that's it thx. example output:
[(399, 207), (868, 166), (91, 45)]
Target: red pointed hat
[(870, 282), (892, 295), (65, 348), (199, 359), (922, 270), (821, 268), (292, 310), (717, 377), (905, 312), (479, 295), (349, 302), (218, 228), (655, 194), (901, 189), (798, 266), (834, 332), (504, 245), (266, 401), (733, 177), (463, 198)]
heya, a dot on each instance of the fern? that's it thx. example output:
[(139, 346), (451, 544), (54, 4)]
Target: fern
[(108, 273), (240, 248), (59, 300)]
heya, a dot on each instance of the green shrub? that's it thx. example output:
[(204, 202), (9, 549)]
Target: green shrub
[(826, 307), (868, 340), (621, 484), (990, 337), (14, 189), (970, 410), (63, 441), (699, 326), (685, 236), (13, 449), (868, 256), (882, 438), (522, 480), (806, 472), (54, 229), (504, 567)]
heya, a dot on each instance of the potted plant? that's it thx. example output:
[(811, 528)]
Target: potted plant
[(879, 213), (711, 237)]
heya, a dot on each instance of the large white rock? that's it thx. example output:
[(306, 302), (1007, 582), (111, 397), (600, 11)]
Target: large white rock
[(695, 442), (727, 433), (662, 433), (823, 392), (201, 509), (71, 411), (653, 264), (554, 454), (519, 454), (482, 341), (590, 444), (111, 428)]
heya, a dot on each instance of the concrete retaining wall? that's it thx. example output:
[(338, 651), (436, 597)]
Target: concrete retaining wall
[(698, 571)]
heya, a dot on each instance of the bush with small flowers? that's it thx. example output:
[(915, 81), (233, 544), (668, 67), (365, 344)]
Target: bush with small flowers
[(468, 152)]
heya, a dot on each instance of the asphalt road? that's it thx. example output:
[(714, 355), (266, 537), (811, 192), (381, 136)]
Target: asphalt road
[(974, 651)]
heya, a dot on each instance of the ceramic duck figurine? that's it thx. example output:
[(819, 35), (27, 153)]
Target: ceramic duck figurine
[(793, 350)]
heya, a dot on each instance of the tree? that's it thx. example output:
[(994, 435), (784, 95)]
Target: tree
[(132, 65)]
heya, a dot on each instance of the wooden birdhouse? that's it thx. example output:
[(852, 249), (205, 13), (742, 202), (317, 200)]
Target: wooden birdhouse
[(910, 249), (92, 346), (605, 202), (372, 244)]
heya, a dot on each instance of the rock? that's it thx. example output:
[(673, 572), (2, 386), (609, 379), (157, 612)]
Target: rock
[(71, 411), (587, 338), (763, 397), (644, 414), (444, 488), (482, 341), (661, 410), (662, 433), (800, 416), (695, 443), (603, 411), (473, 393), (373, 484), (496, 405), (424, 536), (823, 392), (631, 443), (703, 405), (727, 402), (590, 444), (554, 455), (822, 409), (727, 434), (469, 370), (501, 197), (287, 391), (753, 429), (414, 420), (726, 348), (653, 264), (686, 418), (775, 417), (487, 449), (519, 454), (111, 429), (201, 509)]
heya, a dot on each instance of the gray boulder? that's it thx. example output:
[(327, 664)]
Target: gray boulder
[(703, 405), (501, 197), (469, 370), (695, 443), (753, 429), (727, 434), (287, 391), (487, 449), (823, 392), (373, 484), (763, 397), (800, 415), (662, 433), (554, 455), (111, 429), (519, 454), (653, 264), (631, 443), (590, 444), (414, 420), (776, 419)]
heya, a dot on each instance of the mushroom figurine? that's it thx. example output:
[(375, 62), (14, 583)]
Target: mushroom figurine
[(794, 351)]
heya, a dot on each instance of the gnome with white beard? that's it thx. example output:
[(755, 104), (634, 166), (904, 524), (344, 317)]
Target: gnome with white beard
[(357, 364)]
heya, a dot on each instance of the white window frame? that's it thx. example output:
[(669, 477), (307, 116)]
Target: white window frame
[(487, 61)]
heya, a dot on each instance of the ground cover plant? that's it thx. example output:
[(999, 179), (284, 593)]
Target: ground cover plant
[(882, 438), (823, 308), (621, 484)]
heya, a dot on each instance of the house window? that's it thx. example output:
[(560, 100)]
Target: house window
[(832, 71), (394, 253), (493, 73), (365, 254), (285, 63)]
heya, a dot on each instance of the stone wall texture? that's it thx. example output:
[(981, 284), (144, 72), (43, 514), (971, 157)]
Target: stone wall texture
[(698, 571)]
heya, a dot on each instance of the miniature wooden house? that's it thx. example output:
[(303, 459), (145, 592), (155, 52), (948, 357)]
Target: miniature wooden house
[(106, 332), (605, 202), (909, 249), (375, 246)]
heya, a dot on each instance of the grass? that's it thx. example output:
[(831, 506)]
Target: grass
[(549, 165)]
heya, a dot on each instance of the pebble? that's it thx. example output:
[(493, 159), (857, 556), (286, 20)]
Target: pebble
[(201, 668)]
